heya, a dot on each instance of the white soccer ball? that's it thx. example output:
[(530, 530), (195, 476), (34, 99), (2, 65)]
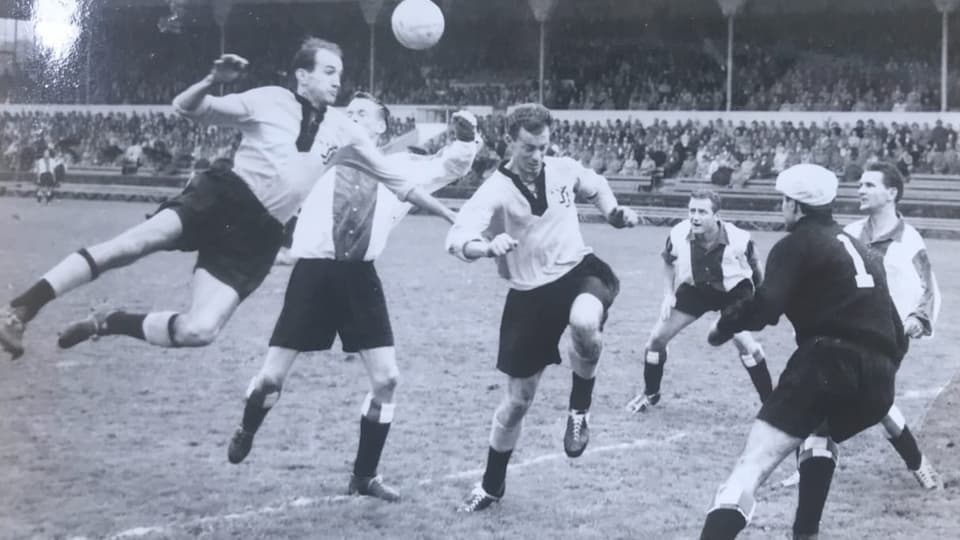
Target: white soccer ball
[(417, 24)]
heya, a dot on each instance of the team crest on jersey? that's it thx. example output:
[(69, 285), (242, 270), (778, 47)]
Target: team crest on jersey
[(326, 151), (562, 195)]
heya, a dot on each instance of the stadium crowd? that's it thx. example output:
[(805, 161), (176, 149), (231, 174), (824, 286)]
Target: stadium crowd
[(163, 142), (743, 151), (599, 65)]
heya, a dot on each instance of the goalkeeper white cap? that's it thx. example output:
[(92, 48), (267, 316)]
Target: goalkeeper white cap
[(808, 183)]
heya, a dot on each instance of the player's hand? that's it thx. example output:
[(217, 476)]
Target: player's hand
[(502, 244), (716, 338), (228, 68), (913, 328), (464, 126), (666, 306), (622, 216)]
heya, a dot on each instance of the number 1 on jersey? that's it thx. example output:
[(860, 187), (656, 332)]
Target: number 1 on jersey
[(864, 279)]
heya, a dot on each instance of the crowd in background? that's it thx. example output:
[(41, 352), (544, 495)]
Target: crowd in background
[(160, 142), (789, 63), (731, 153)]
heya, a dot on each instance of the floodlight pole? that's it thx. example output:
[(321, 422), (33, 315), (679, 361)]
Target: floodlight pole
[(730, 62), (373, 48), (944, 34), (543, 47)]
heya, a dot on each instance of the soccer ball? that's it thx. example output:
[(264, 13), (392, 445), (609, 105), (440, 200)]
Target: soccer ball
[(417, 24)]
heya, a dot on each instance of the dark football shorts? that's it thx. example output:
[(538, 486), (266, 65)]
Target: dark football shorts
[(695, 300), (46, 180), (848, 386), (327, 297), (235, 238), (534, 320)]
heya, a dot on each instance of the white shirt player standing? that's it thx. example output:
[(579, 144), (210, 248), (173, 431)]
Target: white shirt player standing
[(334, 288), (525, 216), (913, 288), (231, 218)]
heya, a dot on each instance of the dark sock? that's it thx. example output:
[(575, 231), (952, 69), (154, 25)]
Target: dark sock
[(254, 411), (373, 435), (28, 304), (723, 524), (495, 476), (653, 374), (125, 324), (760, 376), (581, 393), (816, 473), (908, 449)]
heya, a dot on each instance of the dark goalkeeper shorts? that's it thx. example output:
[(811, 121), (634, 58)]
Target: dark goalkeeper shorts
[(235, 238), (847, 385), (327, 297), (534, 320)]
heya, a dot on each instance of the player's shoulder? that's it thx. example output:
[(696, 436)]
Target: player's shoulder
[(681, 228), (911, 235), (733, 229), (268, 94), (854, 228), (564, 165)]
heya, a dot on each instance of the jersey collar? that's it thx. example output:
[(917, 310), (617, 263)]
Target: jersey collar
[(538, 201)]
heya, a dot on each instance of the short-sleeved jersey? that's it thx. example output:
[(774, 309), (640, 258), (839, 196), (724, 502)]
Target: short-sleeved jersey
[(828, 284), (287, 144), (720, 267), (545, 223)]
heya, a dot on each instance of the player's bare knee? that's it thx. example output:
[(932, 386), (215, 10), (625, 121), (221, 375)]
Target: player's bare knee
[(385, 384), (513, 410), (195, 331), (657, 343)]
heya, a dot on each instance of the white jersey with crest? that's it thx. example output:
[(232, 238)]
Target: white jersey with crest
[(544, 222)]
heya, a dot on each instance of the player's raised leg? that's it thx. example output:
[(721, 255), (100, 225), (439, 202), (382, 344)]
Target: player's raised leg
[(212, 305), (754, 360), (376, 414), (262, 394), (734, 502), (79, 268), (504, 434), (586, 318), (655, 356)]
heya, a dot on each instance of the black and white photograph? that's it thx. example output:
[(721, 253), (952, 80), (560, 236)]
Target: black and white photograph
[(566, 269)]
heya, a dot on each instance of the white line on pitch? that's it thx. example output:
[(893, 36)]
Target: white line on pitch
[(301, 502), (639, 443), (921, 393)]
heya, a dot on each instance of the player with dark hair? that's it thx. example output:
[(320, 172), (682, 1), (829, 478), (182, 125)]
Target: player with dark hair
[(839, 381), (709, 264), (525, 216), (334, 288), (913, 288), (232, 218)]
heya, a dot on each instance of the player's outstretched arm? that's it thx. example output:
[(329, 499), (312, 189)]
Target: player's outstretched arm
[(596, 189), (226, 69), (419, 197), (467, 239)]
